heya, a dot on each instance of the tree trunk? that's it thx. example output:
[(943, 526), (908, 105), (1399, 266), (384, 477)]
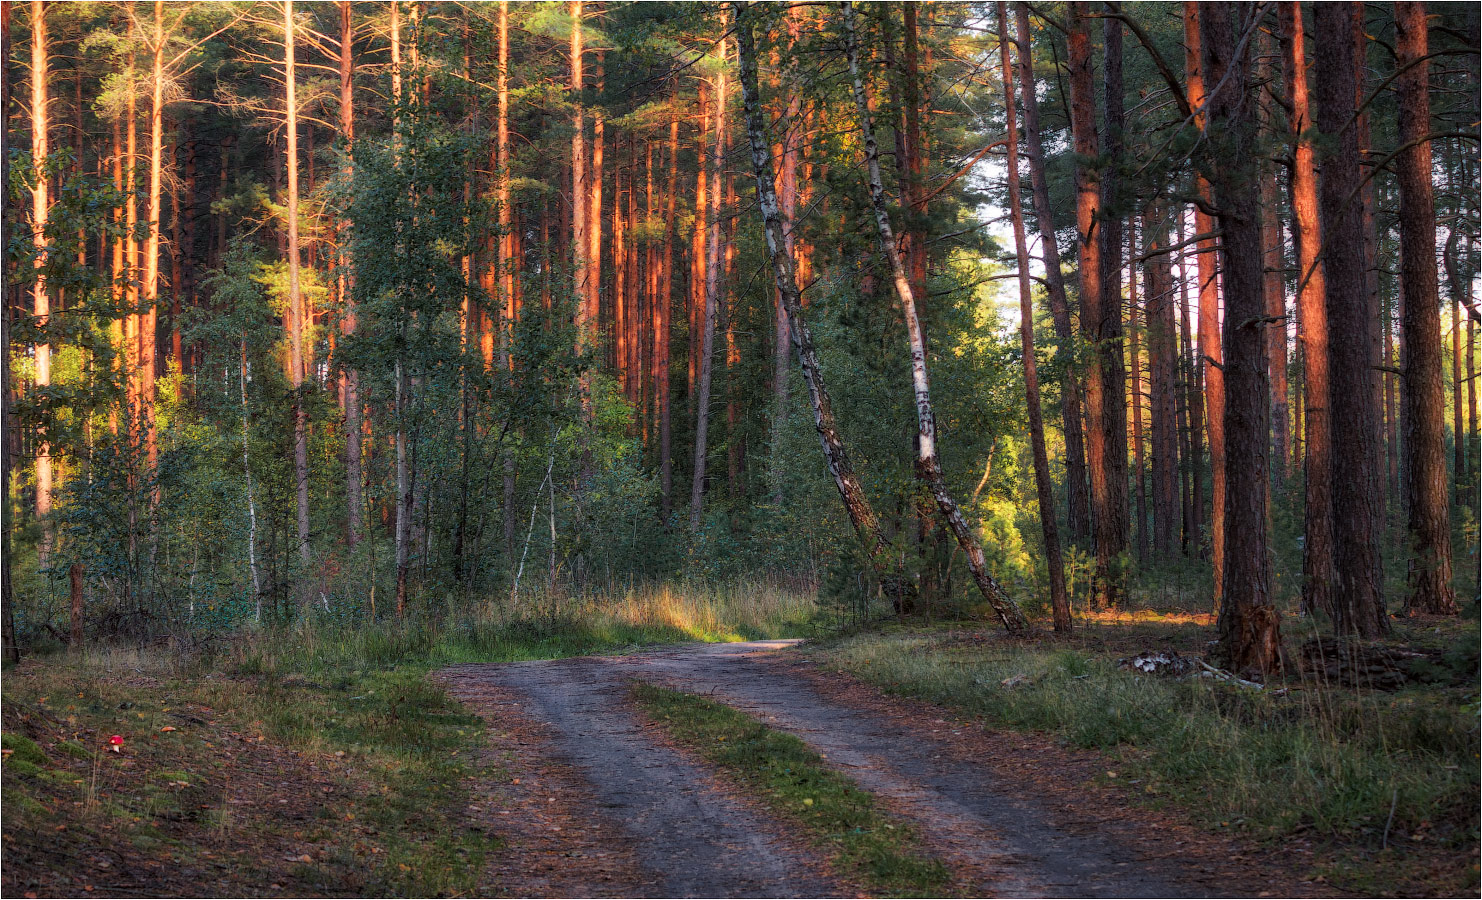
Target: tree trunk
[(11, 650), (1210, 352), (861, 514), (1044, 487), (1250, 626), (661, 334), (585, 320), (1458, 431), (789, 186), (1194, 411), (1135, 395), (41, 299), (1358, 598), (697, 247), (1430, 588), (1110, 537), (1070, 391), (149, 319), (593, 249), (1112, 513), (1274, 285), (927, 461), (295, 294), (1365, 199), (712, 295), (1317, 529), (1162, 361), (354, 478)]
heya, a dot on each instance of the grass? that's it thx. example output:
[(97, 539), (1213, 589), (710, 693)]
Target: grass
[(393, 752), (349, 700), (794, 781), (1330, 761), (542, 626)]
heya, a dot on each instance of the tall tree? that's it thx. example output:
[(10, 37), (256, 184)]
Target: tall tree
[(1357, 595), (1090, 221), (1317, 522), (354, 452), (712, 297), (295, 292), (1112, 509), (40, 296), (1211, 356), (1162, 360), (1044, 487), (1044, 216), (927, 461), (1430, 585), (1249, 624)]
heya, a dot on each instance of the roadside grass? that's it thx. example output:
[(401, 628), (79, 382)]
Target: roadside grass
[(541, 625), (1294, 758), (215, 732), (796, 783)]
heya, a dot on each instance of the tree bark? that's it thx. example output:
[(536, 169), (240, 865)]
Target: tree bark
[(1357, 594), (1044, 487), (712, 295), (1162, 360), (1112, 511), (661, 333), (1317, 548), (927, 461), (40, 297), (1210, 351), (1135, 395), (1110, 537), (861, 514), (1250, 626), (1429, 523), (354, 478), (1070, 391), (295, 294)]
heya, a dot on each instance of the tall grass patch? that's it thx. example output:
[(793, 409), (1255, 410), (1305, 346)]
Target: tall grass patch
[(1272, 761)]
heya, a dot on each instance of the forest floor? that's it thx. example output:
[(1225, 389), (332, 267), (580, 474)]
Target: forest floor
[(940, 761)]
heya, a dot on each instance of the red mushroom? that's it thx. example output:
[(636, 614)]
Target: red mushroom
[(115, 743)]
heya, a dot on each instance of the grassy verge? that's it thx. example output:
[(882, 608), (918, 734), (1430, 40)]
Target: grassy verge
[(540, 626), (1378, 771), (317, 757), (793, 780), (352, 787)]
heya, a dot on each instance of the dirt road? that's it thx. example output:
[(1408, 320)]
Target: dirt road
[(605, 806)]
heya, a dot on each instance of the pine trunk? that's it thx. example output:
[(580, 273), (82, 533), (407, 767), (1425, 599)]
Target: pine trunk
[(1211, 355), (1430, 588), (295, 294), (1317, 547), (1357, 593), (1250, 625)]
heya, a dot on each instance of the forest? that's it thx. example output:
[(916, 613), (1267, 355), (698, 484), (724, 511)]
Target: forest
[(353, 346)]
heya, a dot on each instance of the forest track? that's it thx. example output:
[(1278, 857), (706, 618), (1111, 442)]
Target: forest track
[(984, 802)]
